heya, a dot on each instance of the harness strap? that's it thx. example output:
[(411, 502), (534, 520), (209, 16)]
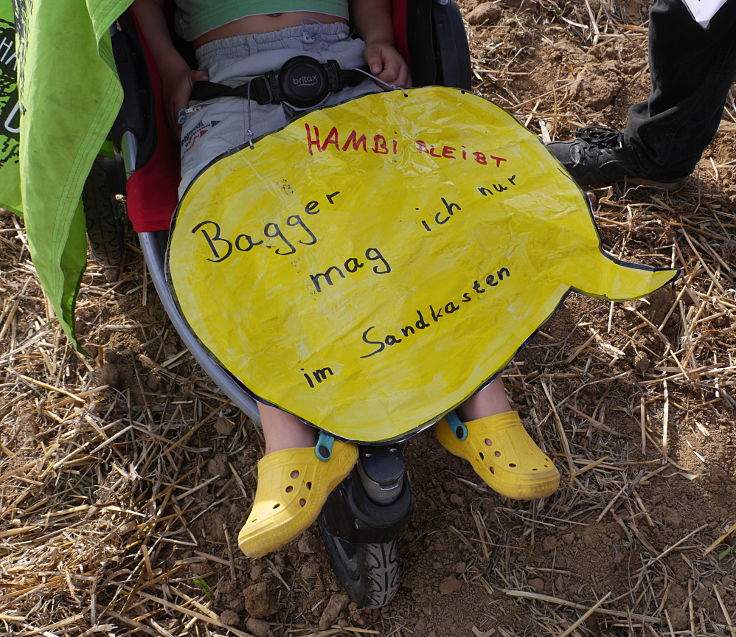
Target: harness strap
[(287, 84), (257, 89)]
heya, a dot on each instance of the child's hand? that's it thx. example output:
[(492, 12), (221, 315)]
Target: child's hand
[(387, 64), (177, 87)]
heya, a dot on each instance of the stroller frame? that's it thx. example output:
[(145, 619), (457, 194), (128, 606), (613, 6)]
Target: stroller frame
[(363, 516)]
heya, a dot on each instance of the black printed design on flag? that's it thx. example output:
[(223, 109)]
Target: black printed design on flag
[(9, 110)]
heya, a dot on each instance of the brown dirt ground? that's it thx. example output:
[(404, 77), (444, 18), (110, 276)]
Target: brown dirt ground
[(124, 479)]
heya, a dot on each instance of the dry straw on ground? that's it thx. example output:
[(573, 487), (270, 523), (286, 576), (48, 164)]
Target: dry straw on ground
[(124, 478)]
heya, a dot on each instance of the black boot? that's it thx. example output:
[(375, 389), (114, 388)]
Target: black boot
[(599, 157)]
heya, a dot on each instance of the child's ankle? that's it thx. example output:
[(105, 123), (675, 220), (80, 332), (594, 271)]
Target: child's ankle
[(291, 438), (469, 413)]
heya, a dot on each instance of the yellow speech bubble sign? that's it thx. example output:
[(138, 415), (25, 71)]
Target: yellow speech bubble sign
[(372, 264)]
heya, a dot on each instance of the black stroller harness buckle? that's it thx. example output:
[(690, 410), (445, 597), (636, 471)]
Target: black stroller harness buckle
[(302, 82)]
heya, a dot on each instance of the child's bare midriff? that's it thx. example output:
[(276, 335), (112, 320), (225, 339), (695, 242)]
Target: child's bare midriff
[(264, 24)]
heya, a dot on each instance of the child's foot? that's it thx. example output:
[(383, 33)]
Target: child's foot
[(502, 453), (293, 485)]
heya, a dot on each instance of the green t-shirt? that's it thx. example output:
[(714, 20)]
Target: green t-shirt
[(193, 18)]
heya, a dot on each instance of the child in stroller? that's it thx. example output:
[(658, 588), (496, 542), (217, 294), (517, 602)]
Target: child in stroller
[(245, 51)]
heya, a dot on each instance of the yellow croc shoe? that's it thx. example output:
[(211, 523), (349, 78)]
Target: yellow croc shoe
[(502, 453), (293, 484)]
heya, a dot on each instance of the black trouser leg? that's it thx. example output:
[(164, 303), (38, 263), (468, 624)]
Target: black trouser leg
[(692, 70)]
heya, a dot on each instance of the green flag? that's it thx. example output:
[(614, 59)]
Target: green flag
[(69, 95)]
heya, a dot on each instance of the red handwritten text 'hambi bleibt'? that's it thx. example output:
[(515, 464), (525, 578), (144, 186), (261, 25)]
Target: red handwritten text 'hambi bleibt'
[(381, 145)]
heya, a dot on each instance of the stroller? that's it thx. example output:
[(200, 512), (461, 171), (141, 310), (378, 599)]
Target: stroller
[(363, 516)]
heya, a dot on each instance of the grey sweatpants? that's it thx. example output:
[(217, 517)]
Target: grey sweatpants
[(217, 126)]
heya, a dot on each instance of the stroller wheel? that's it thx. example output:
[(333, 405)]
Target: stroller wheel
[(369, 572), (104, 210)]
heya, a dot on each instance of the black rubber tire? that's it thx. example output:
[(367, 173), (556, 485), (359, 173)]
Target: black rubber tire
[(451, 46), (104, 211), (370, 573)]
